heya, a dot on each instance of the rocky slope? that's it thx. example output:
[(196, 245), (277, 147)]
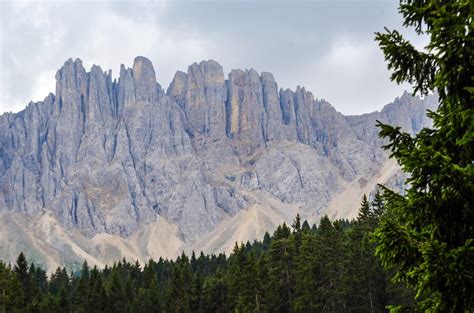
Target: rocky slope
[(109, 168)]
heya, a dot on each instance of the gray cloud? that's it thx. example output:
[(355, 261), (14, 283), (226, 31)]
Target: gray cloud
[(326, 46)]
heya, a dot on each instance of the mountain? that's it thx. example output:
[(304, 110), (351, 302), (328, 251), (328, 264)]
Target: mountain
[(105, 169)]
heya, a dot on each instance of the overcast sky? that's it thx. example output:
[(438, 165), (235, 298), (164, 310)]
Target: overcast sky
[(326, 46)]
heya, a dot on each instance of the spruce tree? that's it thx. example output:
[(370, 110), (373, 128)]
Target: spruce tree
[(11, 293), (116, 294), (97, 297), (60, 278), (427, 234), (215, 292), (331, 263), (306, 275), (81, 294), (21, 270), (178, 296), (282, 270), (33, 292), (367, 278), (63, 302), (236, 265)]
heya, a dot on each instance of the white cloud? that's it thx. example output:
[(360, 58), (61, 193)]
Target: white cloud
[(353, 75), (327, 47), (36, 44)]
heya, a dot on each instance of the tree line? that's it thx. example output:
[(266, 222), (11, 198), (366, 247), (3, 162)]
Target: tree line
[(329, 267)]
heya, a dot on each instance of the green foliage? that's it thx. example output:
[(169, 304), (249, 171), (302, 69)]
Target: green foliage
[(426, 236), (11, 292), (326, 268)]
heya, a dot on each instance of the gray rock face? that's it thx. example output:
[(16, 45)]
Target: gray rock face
[(109, 156), (245, 110), (201, 94)]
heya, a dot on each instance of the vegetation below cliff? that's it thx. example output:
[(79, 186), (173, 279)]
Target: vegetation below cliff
[(328, 267)]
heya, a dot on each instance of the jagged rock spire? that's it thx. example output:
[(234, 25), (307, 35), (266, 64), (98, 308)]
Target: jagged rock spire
[(109, 156)]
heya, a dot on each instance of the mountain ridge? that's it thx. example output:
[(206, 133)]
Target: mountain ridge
[(107, 156)]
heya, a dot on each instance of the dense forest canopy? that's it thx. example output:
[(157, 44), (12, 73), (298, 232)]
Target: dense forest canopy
[(330, 267)]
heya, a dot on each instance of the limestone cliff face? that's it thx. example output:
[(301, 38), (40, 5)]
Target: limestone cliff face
[(109, 156), (201, 94)]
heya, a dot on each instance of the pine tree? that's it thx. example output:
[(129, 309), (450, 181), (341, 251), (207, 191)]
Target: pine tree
[(286, 277), (427, 235), (305, 227), (332, 265), (215, 293), (81, 295), (59, 278), (261, 286), (297, 233), (245, 280), (33, 292), (63, 302), (116, 294), (148, 299), (21, 270), (179, 299), (97, 297), (306, 275), (129, 294), (281, 262), (11, 293), (367, 278), (234, 275), (196, 292), (85, 271)]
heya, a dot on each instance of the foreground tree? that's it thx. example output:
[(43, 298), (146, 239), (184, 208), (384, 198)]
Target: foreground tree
[(426, 235)]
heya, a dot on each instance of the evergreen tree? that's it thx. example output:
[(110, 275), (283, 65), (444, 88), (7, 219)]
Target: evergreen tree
[(367, 278), (215, 293), (40, 278), (179, 298), (245, 284), (196, 292), (85, 271), (427, 235), (129, 294), (297, 233), (148, 299), (81, 298), (281, 269), (332, 267), (22, 272), (234, 275), (97, 297), (59, 278), (49, 304), (325, 269), (305, 227), (34, 292), (63, 302), (115, 293), (11, 292), (307, 275)]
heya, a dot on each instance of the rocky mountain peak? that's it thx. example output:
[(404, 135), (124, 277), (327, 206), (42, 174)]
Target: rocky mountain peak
[(177, 86), (146, 88), (107, 158)]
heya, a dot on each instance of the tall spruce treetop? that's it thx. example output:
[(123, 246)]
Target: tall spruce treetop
[(427, 233)]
